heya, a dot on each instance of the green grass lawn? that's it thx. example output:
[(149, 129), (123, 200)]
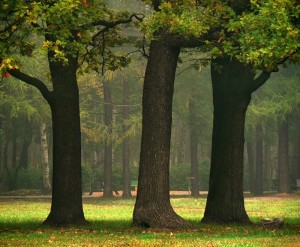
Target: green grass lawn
[(20, 225)]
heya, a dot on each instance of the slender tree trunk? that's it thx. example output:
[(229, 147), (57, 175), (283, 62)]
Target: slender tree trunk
[(108, 144), (125, 155), (296, 154), (153, 208), (45, 159), (66, 207), (194, 150), (250, 154), (267, 161), (283, 158), (231, 97), (181, 144), (26, 143), (259, 161)]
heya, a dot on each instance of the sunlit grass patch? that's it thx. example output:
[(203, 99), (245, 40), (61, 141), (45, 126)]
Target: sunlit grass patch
[(20, 225)]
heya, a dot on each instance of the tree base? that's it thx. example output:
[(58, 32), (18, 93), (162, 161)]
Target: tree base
[(65, 222), (223, 221), (158, 217)]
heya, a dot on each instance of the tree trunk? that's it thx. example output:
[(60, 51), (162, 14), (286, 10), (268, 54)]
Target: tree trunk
[(194, 151), (27, 128), (66, 205), (267, 160), (45, 160), (108, 144), (250, 154), (125, 155), (259, 161), (153, 208), (296, 154), (283, 157), (231, 97)]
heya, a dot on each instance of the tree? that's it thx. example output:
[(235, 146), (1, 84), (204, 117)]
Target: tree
[(153, 208), (108, 121), (283, 157), (45, 159), (125, 148), (233, 83), (194, 151), (259, 161), (66, 39)]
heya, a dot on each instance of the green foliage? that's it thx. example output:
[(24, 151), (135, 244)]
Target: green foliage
[(267, 35), (277, 98), (186, 18)]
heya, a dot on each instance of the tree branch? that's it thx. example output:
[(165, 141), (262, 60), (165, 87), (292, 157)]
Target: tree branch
[(112, 24), (34, 82), (260, 80)]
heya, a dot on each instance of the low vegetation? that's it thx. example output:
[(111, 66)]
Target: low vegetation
[(20, 224)]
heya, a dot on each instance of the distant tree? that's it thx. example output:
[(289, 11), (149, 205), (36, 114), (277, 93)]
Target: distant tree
[(259, 161)]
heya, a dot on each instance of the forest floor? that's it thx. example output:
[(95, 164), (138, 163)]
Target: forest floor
[(268, 195)]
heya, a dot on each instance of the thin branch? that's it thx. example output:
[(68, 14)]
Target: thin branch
[(109, 25), (34, 82)]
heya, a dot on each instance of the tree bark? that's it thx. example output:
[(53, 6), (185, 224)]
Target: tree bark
[(45, 159), (259, 161), (153, 208), (283, 158), (194, 150), (108, 144), (231, 82), (125, 155), (66, 207)]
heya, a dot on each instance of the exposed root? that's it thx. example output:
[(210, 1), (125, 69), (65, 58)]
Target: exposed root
[(158, 217)]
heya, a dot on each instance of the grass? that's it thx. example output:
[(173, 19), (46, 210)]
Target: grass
[(20, 225)]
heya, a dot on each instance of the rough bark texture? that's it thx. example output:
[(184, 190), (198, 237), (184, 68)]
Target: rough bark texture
[(152, 207), (108, 145), (66, 207), (283, 158), (194, 150), (259, 161), (45, 159), (231, 97), (125, 155)]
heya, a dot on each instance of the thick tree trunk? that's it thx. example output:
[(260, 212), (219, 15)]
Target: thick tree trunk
[(108, 144), (125, 154), (153, 208), (259, 161), (194, 150), (250, 154), (45, 159), (231, 97), (283, 158), (66, 205)]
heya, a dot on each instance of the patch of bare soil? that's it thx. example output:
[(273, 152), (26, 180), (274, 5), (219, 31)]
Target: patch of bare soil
[(277, 196)]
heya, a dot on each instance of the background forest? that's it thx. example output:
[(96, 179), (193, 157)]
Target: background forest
[(110, 111)]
